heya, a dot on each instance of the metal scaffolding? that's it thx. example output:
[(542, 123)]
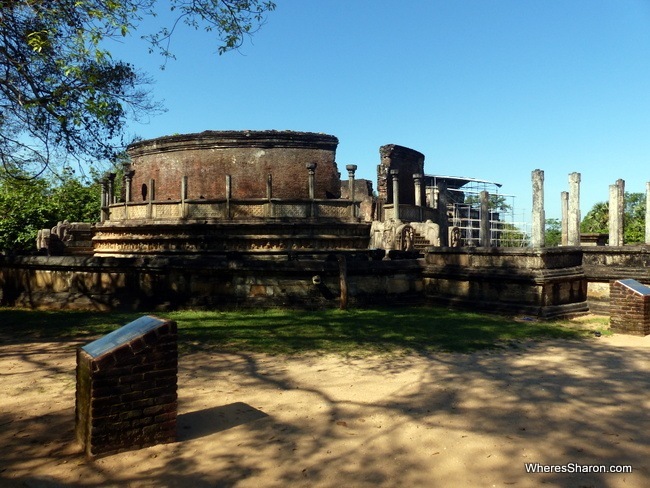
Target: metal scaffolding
[(507, 229)]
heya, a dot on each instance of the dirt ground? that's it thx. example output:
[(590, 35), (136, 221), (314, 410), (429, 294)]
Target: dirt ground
[(250, 420)]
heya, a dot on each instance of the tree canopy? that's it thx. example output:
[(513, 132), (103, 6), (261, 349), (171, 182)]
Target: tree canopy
[(62, 95), (597, 219), (30, 204)]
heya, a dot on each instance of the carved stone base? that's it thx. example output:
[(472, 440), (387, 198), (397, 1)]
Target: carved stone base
[(200, 238)]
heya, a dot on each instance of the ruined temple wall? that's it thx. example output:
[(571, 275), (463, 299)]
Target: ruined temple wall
[(362, 193), (408, 162), (70, 282), (248, 156)]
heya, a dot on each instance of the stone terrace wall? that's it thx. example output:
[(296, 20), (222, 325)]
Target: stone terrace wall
[(229, 280), (543, 282), (248, 156), (603, 264)]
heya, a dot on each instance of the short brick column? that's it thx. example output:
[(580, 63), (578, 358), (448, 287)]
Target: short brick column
[(126, 388), (629, 307)]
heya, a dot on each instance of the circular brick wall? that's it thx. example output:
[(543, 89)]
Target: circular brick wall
[(247, 156)]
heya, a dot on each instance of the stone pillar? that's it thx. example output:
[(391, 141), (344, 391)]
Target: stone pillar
[(573, 230), (128, 181), (152, 197), (564, 204), (104, 200), (417, 182), (111, 188), (484, 229), (433, 196), (394, 173), (228, 194), (539, 218), (311, 168), (443, 219), (351, 169), (616, 213), (184, 181), (647, 213)]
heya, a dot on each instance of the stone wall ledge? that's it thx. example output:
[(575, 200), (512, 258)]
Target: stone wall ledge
[(511, 275), (510, 308), (235, 139), (505, 258)]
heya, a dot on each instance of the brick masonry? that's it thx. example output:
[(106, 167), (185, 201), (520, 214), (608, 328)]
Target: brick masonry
[(247, 156), (127, 388), (629, 307), (408, 162)]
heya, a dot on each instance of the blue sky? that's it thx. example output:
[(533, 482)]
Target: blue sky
[(490, 89)]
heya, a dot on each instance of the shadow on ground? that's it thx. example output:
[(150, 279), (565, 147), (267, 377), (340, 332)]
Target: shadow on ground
[(435, 420)]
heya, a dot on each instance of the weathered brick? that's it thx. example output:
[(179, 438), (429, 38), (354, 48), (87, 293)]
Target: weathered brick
[(126, 397)]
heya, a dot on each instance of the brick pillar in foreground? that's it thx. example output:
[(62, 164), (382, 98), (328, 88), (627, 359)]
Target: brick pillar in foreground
[(126, 388), (629, 307)]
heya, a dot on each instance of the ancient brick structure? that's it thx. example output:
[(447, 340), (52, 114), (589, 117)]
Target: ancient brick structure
[(629, 307), (126, 388), (247, 156), (246, 191), (408, 162)]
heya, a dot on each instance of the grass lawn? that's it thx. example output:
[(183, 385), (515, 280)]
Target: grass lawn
[(356, 331)]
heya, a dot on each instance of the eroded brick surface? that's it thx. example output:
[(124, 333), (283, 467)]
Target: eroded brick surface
[(126, 388), (629, 307)]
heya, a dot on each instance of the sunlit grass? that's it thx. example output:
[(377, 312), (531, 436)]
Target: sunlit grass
[(279, 331)]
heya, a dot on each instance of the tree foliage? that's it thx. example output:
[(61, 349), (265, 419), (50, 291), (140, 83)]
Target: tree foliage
[(496, 202), (553, 233), (63, 96), (30, 204), (597, 219)]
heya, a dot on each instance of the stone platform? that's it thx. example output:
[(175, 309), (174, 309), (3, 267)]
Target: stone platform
[(542, 282)]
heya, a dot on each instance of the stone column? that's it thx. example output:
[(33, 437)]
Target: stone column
[(616, 213), (433, 197), (184, 181), (128, 182), (573, 230), (152, 197), (311, 168), (394, 173), (647, 213), (539, 218), (417, 182), (564, 204), (228, 194), (104, 200), (111, 188), (484, 229), (443, 219), (270, 210), (269, 187), (351, 169)]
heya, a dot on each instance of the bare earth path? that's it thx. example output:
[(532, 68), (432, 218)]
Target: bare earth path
[(444, 420)]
